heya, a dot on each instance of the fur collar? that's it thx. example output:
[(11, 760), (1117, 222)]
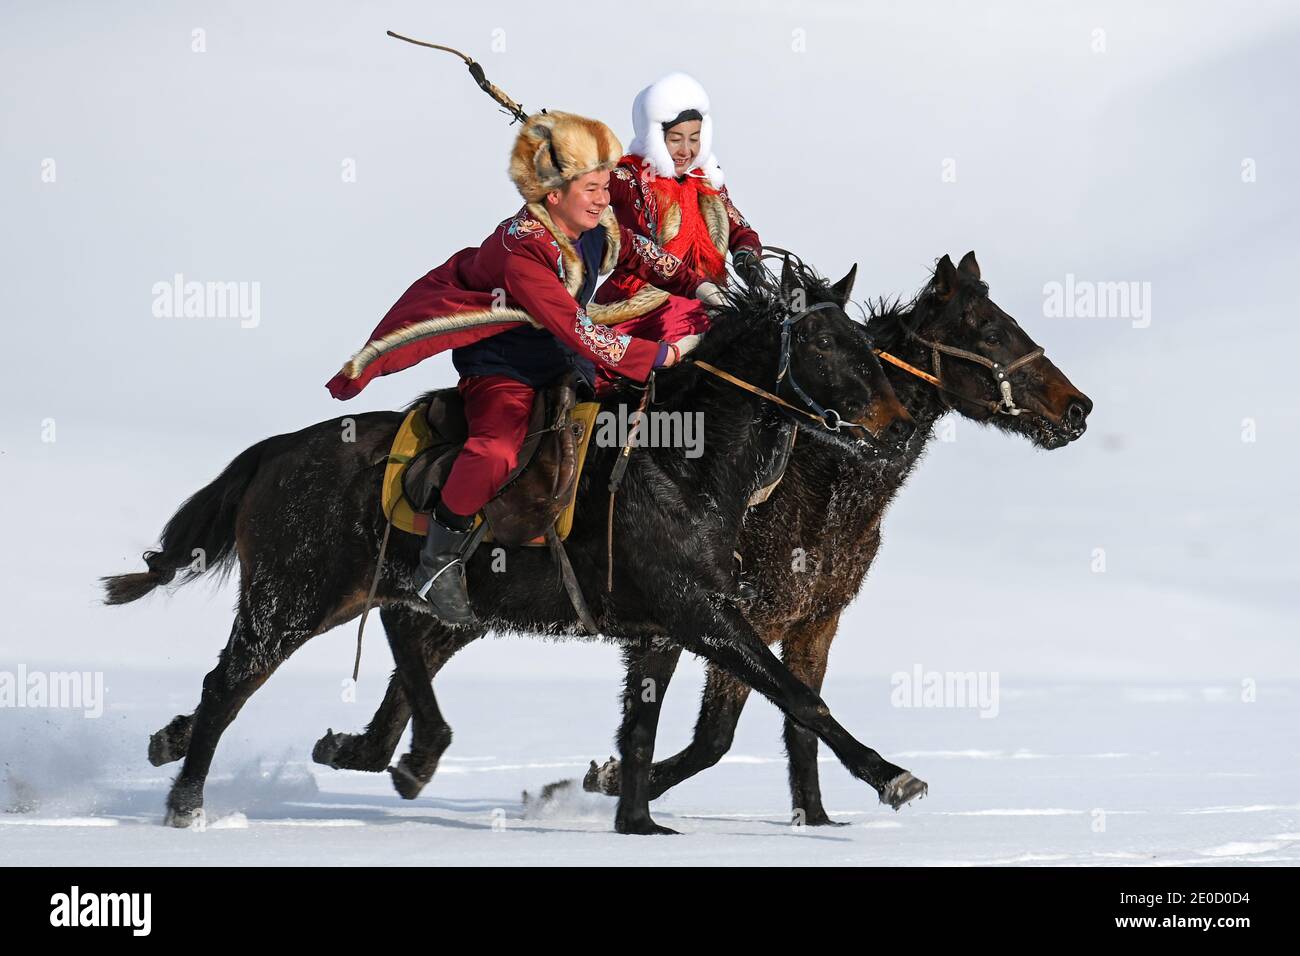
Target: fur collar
[(570, 259)]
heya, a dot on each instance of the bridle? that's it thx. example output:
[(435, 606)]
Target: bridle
[(831, 419), (1001, 373), (828, 418)]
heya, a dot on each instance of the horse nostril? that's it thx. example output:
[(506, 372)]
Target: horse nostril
[(901, 431), (1076, 414)]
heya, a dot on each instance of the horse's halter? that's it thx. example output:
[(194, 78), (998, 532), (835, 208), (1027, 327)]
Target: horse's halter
[(830, 418), (1001, 373)]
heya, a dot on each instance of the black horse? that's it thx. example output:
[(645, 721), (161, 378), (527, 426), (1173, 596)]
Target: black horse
[(831, 505), (301, 513)]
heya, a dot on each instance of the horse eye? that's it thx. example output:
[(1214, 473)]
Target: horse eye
[(824, 342)]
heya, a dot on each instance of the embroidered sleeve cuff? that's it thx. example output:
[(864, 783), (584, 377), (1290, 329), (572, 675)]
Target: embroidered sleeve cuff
[(638, 361)]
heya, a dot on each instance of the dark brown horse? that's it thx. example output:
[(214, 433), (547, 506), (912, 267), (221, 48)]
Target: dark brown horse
[(831, 506), (301, 515), (833, 509)]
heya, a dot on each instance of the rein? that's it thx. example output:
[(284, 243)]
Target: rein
[(616, 478), (764, 393), (1001, 373), (911, 369), (828, 418)]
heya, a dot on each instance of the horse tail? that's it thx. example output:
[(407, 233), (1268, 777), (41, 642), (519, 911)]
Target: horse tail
[(199, 537)]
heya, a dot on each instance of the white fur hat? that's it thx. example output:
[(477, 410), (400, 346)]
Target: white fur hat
[(661, 102)]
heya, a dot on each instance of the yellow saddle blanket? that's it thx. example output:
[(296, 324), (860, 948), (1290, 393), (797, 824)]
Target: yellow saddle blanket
[(414, 436)]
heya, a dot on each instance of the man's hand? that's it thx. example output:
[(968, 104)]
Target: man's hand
[(677, 350), (685, 344), (710, 294)]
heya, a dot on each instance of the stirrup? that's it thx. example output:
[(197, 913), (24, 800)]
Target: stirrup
[(447, 594), (443, 559)]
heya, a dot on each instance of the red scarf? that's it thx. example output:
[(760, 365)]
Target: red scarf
[(692, 244)]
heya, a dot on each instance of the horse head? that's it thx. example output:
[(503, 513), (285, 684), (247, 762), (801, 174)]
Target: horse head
[(827, 365), (987, 367)]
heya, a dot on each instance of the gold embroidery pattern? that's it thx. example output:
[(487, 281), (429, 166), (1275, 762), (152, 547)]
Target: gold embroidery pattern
[(521, 227), (732, 212), (609, 345), (664, 263)]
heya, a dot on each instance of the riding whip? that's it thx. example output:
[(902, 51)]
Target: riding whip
[(476, 71)]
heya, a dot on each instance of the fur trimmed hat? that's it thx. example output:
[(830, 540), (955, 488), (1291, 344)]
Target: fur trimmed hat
[(555, 148), (662, 102)]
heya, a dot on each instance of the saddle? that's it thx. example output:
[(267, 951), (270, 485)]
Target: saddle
[(538, 494)]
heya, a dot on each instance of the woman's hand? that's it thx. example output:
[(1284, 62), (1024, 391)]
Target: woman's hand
[(710, 294), (749, 267)]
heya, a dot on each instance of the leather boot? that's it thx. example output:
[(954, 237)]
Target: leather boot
[(443, 559)]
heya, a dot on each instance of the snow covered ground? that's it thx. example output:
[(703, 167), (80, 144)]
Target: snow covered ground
[(1151, 566), (1107, 773)]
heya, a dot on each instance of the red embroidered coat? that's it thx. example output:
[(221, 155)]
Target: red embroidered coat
[(715, 220), (526, 271)]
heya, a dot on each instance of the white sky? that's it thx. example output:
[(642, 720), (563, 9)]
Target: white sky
[(1115, 165)]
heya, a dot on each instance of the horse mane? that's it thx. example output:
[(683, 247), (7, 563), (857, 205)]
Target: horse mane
[(746, 309), (887, 317)]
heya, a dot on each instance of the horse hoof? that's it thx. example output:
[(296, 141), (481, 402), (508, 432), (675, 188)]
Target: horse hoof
[(643, 827), (820, 820), (348, 752), (172, 742), (160, 751), (602, 779), (903, 789), (328, 749), (183, 819), (405, 781), (551, 793)]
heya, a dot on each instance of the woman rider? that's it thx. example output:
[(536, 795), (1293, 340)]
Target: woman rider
[(670, 189)]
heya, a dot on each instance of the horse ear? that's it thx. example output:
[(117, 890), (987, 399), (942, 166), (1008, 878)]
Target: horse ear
[(945, 278), (844, 288), (789, 278), (968, 265)]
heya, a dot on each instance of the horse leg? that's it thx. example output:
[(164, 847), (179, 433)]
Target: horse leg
[(373, 750), (805, 651), (239, 672), (649, 669), (720, 707), (277, 615), (432, 733), (712, 627)]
